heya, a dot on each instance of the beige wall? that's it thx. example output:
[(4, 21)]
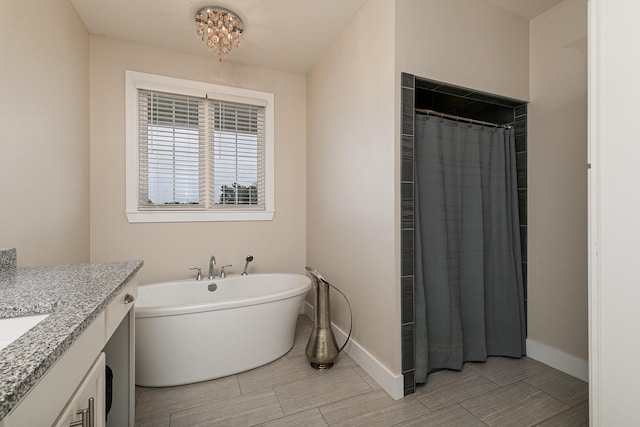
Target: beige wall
[(466, 43), (44, 132), (557, 180), (350, 179), (169, 249)]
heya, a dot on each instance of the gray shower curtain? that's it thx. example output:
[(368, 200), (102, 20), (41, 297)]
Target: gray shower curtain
[(469, 301)]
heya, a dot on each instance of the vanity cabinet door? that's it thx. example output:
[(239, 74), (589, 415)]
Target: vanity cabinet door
[(88, 401)]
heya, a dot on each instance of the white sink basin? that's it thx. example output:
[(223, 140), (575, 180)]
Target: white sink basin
[(13, 327)]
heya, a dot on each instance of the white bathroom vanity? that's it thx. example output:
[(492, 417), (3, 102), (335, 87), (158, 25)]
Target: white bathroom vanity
[(54, 373)]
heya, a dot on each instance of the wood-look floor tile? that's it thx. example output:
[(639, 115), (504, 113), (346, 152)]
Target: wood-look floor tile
[(153, 402), (446, 388), (516, 405), (454, 415), (281, 371), (246, 410), (310, 418), (163, 421), (374, 385), (578, 416), (297, 351), (284, 371), (563, 387), (322, 388), (505, 370), (375, 408), (288, 392)]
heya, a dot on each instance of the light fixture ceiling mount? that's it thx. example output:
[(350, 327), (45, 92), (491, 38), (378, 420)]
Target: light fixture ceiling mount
[(220, 29)]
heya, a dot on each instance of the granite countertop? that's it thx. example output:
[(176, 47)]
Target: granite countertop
[(73, 295)]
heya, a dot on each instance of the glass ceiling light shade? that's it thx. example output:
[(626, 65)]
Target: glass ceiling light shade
[(220, 29)]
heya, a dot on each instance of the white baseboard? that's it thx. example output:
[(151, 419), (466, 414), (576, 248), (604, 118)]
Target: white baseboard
[(558, 359), (391, 383)]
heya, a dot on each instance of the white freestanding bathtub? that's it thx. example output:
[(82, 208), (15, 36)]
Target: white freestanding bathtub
[(189, 331)]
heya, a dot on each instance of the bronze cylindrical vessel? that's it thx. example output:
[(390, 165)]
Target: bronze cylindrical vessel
[(322, 348)]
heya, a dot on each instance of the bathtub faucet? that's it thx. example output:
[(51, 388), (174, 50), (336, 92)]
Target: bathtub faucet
[(212, 267), (247, 260)]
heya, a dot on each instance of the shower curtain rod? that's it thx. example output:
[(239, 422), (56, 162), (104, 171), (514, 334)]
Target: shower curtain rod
[(462, 119)]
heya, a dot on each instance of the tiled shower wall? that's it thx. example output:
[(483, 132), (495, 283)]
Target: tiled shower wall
[(424, 93)]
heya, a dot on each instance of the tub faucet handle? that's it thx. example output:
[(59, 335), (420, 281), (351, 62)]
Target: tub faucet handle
[(199, 275), (223, 273)]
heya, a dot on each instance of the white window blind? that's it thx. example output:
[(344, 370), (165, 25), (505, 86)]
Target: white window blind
[(199, 154), (238, 154), (171, 150)]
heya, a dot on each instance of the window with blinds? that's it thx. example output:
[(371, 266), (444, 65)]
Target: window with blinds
[(199, 154), (197, 151)]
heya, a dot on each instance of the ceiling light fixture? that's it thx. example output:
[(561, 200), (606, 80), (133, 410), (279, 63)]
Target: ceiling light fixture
[(220, 29)]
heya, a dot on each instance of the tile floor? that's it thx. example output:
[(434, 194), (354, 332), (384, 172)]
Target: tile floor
[(288, 392)]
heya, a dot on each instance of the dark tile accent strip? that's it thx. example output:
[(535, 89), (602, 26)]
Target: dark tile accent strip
[(406, 167), (407, 111), (492, 99), (520, 127), (409, 382), (521, 110), (406, 262), (407, 80), (406, 243), (406, 205), (436, 86), (426, 84), (406, 283), (453, 90), (408, 340), (521, 168)]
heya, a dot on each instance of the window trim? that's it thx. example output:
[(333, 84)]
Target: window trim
[(136, 80)]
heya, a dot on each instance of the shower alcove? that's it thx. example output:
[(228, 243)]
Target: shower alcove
[(421, 93)]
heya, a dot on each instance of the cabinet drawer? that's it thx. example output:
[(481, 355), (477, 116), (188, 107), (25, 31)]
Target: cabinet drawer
[(120, 306)]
